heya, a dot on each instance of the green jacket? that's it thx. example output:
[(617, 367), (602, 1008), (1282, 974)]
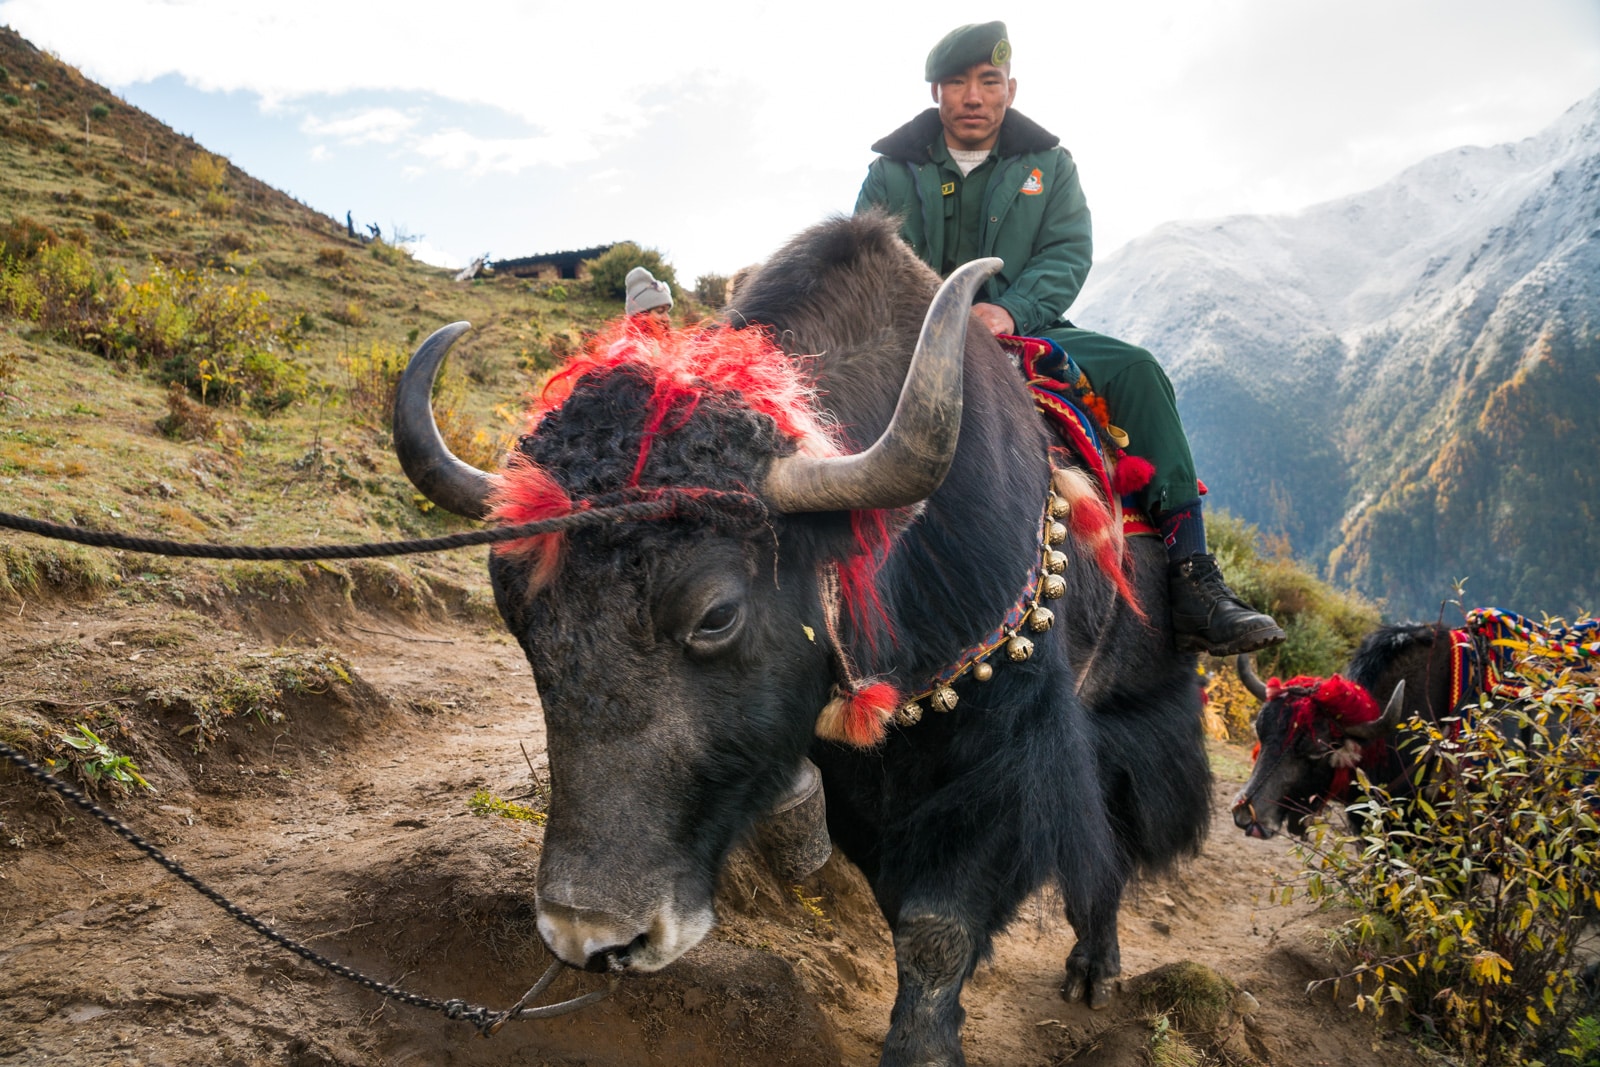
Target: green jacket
[(1032, 214)]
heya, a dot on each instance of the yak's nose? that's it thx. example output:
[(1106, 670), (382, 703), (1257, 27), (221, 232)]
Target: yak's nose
[(615, 958), (586, 938), (1244, 817)]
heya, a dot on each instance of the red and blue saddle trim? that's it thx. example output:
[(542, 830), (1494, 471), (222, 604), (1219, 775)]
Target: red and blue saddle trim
[(1063, 395)]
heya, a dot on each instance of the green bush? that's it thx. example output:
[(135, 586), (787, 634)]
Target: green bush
[(608, 272), (99, 111), (205, 330), (1470, 896), (22, 237), (214, 337), (372, 377), (711, 289), (60, 288), (1324, 624)]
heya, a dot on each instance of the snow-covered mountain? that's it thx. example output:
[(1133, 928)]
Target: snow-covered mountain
[(1406, 382)]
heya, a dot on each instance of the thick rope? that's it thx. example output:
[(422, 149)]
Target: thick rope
[(486, 1020), (707, 504)]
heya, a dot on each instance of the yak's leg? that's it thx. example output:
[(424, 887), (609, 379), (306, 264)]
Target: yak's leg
[(934, 955), (1096, 960)]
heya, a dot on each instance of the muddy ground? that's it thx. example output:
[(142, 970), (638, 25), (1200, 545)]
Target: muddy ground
[(339, 813)]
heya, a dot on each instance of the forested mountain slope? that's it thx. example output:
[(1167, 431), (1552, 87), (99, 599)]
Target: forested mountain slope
[(1404, 382)]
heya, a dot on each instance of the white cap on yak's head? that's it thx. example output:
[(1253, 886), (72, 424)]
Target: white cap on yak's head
[(644, 292)]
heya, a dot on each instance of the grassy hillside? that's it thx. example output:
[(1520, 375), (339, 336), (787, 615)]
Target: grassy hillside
[(122, 243)]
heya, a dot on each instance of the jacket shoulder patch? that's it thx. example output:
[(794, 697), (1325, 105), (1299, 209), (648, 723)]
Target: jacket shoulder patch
[(1034, 185)]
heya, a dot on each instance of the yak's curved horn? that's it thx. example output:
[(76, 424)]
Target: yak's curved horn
[(1392, 713), (912, 456), (1247, 675), (447, 481)]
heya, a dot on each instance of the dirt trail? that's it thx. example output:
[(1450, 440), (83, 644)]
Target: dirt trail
[(346, 824)]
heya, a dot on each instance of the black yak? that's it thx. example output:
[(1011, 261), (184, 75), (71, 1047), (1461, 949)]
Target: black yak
[(1313, 734), (906, 547)]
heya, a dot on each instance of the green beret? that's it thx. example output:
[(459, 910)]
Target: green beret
[(983, 42)]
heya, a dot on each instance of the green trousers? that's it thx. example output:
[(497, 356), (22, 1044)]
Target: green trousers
[(1140, 400)]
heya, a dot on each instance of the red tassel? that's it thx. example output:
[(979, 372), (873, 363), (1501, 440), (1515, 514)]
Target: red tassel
[(1132, 474), (859, 718), (1090, 523), (526, 492)]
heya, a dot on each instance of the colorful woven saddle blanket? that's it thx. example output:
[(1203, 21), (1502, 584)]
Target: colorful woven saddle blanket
[(1508, 655), (1063, 395)]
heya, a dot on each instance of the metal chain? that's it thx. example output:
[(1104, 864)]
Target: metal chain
[(700, 502), (485, 1020), (707, 504)]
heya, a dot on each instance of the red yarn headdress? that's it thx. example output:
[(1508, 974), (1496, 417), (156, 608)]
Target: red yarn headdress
[(686, 366), (1339, 701)]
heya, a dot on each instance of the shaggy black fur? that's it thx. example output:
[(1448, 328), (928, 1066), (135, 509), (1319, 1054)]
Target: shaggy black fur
[(668, 736)]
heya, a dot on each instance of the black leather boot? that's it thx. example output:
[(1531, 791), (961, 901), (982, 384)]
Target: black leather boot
[(1208, 617)]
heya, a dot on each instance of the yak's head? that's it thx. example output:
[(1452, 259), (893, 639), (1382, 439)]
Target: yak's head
[(1311, 736), (681, 660)]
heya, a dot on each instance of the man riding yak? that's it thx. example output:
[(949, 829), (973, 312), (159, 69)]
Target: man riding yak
[(974, 177)]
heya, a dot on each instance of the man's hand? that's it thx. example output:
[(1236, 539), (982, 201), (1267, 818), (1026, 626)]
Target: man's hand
[(996, 319)]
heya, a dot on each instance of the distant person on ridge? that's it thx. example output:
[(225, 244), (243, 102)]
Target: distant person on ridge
[(646, 296), (973, 178)]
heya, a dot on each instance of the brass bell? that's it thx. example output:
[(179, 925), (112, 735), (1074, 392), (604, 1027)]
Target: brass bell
[(982, 671), (1041, 619), (910, 713), (1055, 561), (1059, 506), (944, 698), (1019, 648), (1053, 587), (1056, 534)]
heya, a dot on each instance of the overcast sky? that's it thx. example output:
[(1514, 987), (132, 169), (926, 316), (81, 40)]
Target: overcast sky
[(714, 131)]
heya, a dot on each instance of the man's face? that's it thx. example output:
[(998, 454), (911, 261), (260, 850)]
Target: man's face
[(973, 103)]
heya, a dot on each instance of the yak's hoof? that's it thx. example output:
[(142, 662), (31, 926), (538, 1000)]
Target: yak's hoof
[(1080, 987)]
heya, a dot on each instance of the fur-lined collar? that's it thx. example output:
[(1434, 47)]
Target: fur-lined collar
[(912, 142)]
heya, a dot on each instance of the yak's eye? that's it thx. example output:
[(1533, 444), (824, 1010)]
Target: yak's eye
[(707, 609), (718, 621), (717, 630)]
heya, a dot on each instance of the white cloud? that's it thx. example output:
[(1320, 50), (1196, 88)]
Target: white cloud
[(380, 125), (460, 150), (427, 252), (1173, 108)]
